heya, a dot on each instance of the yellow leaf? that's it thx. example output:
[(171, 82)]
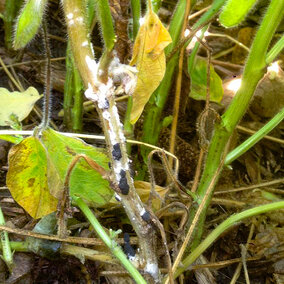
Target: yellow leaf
[(16, 103), (27, 178), (150, 60), (143, 189)]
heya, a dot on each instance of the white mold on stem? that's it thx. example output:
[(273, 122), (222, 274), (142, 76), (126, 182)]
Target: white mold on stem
[(153, 270), (69, 16), (142, 212), (80, 20)]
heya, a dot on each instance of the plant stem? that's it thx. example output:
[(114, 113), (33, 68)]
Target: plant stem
[(87, 67), (275, 50), (253, 72), (111, 244), (6, 248), (178, 88), (136, 14), (231, 221), (250, 142), (105, 20)]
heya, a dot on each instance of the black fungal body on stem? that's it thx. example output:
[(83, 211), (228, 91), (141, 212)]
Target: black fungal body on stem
[(128, 249), (106, 104), (123, 186), (146, 216), (116, 152), (122, 173)]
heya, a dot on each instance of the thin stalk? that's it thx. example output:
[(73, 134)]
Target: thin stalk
[(191, 58), (110, 243), (68, 89), (228, 223), (275, 50), (107, 110), (6, 248), (105, 19), (250, 142), (48, 81), (253, 72), (178, 88), (136, 14), (77, 110)]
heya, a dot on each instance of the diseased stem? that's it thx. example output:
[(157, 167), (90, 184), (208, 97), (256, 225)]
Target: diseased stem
[(102, 95), (110, 243)]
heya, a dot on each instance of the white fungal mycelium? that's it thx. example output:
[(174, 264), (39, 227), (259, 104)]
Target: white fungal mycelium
[(115, 128), (123, 74), (92, 65), (117, 197), (153, 270), (79, 20), (142, 212), (69, 16), (85, 43)]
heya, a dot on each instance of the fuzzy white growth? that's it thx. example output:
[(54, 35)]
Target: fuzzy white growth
[(80, 20), (106, 115), (93, 66), (89, 93), (105, 90), (116, 116), (69, 16), (117, 197), (124, 75), (142, 212), (274, 67), (117, 169), (85, 43), (153, 270), (71, 22), (141, 21)]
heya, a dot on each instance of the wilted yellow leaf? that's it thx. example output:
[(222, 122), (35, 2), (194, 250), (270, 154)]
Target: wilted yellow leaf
[(27, 178), (143, 189), (149, 57), (19, 104)]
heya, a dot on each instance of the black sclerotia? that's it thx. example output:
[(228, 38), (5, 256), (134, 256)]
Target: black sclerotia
[(123, 185), (116, 152)]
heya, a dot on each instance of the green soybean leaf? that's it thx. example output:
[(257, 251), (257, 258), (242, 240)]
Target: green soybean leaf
[(16, 104), (84, 181), (198, 76), (235, 11), (27, 178), (28, 22)]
